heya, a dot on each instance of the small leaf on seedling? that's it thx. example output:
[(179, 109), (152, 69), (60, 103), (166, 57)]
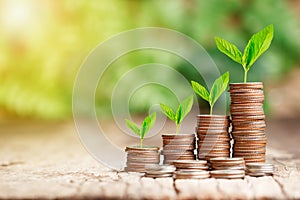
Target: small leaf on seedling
[(200, 90), (168, 112), (133, 127), (229, 49), (218, 88), (257, 45), (178, 114), (186, 107), (148, 124)]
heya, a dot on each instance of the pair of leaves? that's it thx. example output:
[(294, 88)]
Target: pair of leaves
[(183, 109), (256, 46), (216, 90), (146, 125)]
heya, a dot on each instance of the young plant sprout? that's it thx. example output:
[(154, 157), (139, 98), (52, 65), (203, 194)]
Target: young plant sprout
[(145, 127), (216, 90), (183, 109), (256, 46)]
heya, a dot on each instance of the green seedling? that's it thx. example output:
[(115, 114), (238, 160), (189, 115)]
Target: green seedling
[(216, 90), (256, 46), (183, 109), (145, 127)]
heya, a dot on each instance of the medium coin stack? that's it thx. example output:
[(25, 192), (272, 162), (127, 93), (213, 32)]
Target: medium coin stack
[(248, 121), (189, 174), (160, 171), (190, 165), (227, 174), (227, 163), (138, 158), (259, 169), (213, 137), (178, 147)]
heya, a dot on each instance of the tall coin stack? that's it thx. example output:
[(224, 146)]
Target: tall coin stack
[(139, 158), (178, 147), (248, 121), (213, 136)]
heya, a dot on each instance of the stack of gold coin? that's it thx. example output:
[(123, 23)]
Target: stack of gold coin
[(213, 137), (138, 158), (159, 171), (190, 174), (178, 147), (248, 121), (227, 163), (259, 169), (190, 165), (227, 174)]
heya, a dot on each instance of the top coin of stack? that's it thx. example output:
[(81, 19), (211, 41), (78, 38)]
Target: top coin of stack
[(191, 165), (248, 121), (138, 158), (178, 147), (213, 137)]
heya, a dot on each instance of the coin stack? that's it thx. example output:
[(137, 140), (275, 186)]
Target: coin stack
[(190, 165), (259, 169), (227, 174), (138, 158), (160, 171), (213, 137), (178, 147), (189, 174), (248, 121), (227, 163)]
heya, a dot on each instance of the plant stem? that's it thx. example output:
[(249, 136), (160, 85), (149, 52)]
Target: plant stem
[(245, 76), (141, 143), (211, 110), (177, 127)]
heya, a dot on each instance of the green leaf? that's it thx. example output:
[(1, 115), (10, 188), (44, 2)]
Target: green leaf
[(168, 112), (229, 49), (218, 88), (257, 45), (178, 115), (148, 124), (186, 107), (200, 90), (133, 127)]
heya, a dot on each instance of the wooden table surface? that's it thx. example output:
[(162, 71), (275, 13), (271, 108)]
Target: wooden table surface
[(49, 162)]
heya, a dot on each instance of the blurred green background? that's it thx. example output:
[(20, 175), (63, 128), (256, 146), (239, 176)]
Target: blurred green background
[(44, 42)]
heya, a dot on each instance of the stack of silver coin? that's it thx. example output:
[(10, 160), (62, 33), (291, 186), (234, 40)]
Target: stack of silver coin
[(178, 147), (160, 171), (190, 165), (138, 158), (248, 121), (227, 174), (213, 136), (259, 169), (227, 163)]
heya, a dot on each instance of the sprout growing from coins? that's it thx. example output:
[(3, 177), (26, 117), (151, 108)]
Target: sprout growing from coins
[(145, 127), (256, 46), (219, 86), (183, 109)]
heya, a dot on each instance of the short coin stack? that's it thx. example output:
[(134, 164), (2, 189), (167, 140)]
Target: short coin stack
[(190, 174), (259, 169), (227, 174), (138, 158), (227, 163), (190, 165), (160, 171), (178, 147), (213, 137), (248, 121)]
